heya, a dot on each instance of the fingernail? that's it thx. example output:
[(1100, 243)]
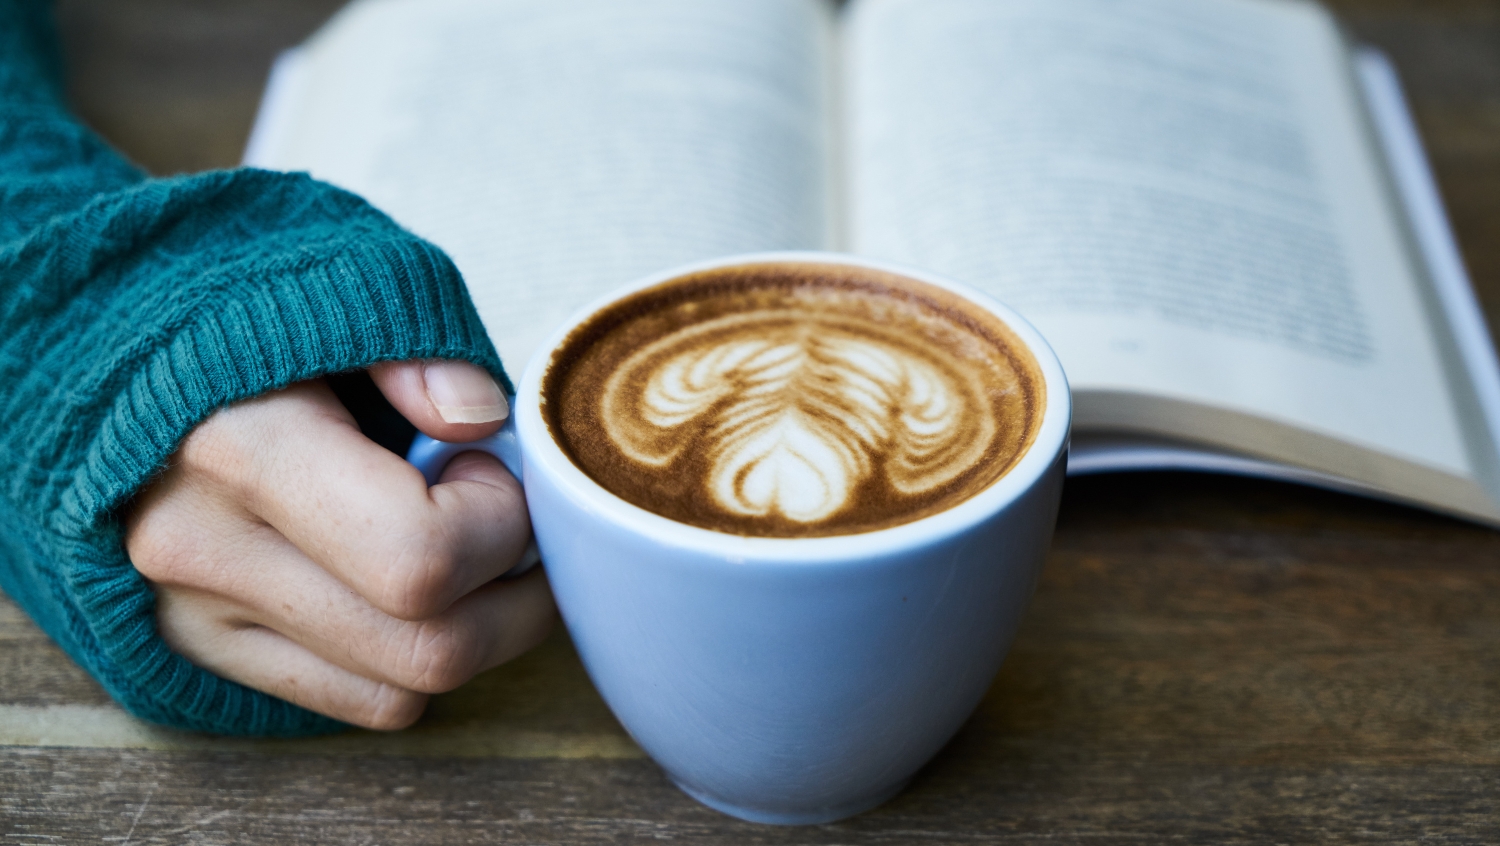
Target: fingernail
[(464, 393)]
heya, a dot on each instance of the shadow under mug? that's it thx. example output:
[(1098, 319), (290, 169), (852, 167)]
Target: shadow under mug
[(787, 680)]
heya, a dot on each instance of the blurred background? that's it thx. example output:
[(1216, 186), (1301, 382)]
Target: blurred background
[(175, 85)]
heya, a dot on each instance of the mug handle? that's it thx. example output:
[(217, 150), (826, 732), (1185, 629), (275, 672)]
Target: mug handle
[(431, 456)]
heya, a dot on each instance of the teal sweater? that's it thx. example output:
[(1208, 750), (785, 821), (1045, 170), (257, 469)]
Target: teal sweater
[(130, 309)]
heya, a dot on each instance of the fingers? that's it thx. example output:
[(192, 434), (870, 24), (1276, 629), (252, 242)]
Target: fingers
[(448, 400), (292, 554), (366, 516), (269, 582), (270, 618), (286, 593), (204, 630)]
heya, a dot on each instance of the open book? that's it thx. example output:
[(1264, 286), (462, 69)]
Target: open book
[(1216, 211)]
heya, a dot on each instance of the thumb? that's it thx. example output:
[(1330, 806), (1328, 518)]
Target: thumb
[(446, 400)]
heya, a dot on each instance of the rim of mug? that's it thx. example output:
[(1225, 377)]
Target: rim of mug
[(1050, 441)]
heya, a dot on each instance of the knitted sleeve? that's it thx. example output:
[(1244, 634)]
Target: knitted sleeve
[(130, 309)]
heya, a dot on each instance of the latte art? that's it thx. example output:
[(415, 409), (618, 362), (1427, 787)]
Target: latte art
[(796, 411), (793, 400)]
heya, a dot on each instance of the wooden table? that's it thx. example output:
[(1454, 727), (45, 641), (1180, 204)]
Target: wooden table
[(1207, 659)]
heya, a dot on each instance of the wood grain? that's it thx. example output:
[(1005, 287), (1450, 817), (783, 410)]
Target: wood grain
[(1207, 660)]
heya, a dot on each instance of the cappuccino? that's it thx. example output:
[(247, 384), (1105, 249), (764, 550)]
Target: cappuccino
[(791, 399)]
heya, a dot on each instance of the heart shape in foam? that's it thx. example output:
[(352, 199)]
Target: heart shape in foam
[(796, 410)]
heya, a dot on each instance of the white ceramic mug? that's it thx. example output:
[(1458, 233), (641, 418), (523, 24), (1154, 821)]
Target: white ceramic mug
[(787, 680)]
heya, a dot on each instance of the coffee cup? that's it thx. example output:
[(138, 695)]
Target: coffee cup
[(842, 586)]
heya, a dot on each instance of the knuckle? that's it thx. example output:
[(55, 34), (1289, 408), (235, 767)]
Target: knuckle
[(217, 453), (389, 709), (436, 657), (166, 554), (416, 581), (185, 627)]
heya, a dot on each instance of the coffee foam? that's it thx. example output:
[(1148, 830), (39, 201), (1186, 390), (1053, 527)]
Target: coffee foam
[(793, 400)]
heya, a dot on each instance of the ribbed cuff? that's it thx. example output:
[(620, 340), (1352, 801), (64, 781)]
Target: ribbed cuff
[(267, 309)]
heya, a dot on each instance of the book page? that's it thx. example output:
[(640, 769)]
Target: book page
[(560, 149), (1181, 195)]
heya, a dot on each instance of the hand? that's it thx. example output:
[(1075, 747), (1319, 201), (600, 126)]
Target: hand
[(292, 554)]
